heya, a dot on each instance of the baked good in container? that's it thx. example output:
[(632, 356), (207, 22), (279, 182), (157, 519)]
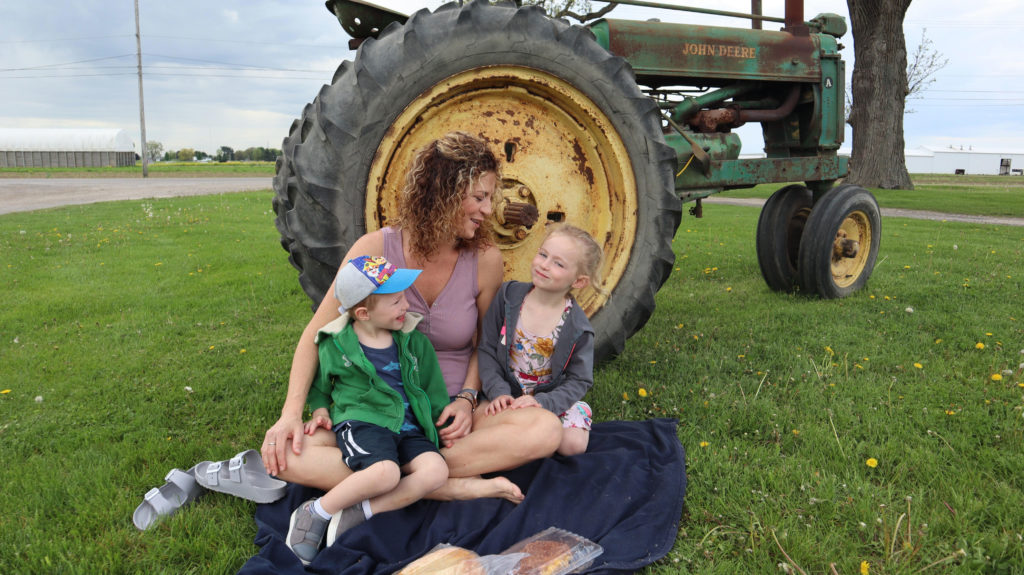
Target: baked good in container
[(446, 560)]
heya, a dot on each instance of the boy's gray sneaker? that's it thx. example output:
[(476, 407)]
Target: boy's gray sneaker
[(344, 520), (305, 531)]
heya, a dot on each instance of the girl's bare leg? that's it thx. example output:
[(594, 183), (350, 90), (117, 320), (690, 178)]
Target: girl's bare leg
[(574, 441)]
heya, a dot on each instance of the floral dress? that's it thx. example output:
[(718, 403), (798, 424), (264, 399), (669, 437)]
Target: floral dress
[(530, 356)]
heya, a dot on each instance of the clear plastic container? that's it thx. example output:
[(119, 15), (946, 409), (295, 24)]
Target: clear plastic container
[(553, 551)]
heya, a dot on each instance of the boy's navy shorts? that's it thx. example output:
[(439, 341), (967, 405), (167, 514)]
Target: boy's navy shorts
[(363, 444)]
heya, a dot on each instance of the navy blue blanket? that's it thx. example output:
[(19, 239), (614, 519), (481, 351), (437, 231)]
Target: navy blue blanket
[(625, 493)]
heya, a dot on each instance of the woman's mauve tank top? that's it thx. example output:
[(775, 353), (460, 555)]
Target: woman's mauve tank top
[(450, 323)]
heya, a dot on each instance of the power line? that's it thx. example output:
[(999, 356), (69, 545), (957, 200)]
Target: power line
[(63, 64)]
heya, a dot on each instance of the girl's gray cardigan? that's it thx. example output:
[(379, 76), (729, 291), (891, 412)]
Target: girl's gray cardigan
[(572, 363)]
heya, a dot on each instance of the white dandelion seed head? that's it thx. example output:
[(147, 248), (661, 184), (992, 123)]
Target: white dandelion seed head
[(39, 399), (909, 309)]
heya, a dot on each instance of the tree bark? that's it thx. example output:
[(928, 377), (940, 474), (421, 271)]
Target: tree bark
[(879, 94)]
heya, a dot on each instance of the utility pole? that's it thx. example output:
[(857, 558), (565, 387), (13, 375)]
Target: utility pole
[(142, 108)]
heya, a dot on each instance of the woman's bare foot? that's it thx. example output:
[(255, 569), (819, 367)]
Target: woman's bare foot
[(465, 488)]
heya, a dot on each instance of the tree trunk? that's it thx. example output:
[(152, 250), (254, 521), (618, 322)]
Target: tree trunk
[(879, 94)]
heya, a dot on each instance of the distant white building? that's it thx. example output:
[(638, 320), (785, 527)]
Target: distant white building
[(65, 148), (974, 161)]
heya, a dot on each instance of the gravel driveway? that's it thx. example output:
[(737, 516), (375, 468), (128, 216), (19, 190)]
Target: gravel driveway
[(26, 194)]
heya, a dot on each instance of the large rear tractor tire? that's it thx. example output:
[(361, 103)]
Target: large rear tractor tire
[(578, 139), (840, 242)]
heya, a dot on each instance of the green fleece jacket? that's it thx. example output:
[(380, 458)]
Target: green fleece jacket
[(348, 385)]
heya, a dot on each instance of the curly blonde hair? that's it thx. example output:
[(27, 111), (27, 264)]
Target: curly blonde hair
[(442, 172)]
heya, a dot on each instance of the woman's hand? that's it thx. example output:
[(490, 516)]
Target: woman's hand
[(320, 418), (287, 430), (525, 401), (499, 404), (460, 412)]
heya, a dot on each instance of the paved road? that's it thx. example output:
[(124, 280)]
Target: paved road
[(892, 212), (27, 194)]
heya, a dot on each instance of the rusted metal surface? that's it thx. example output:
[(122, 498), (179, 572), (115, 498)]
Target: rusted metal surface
[(682, 54), (752, 171), (562, 161)]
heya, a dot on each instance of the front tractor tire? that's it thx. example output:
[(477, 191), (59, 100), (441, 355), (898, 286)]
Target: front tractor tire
[(580, 143), (840, 242), (779, 229)]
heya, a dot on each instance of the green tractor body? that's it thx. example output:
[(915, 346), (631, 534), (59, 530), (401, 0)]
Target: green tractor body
[(612, 127)]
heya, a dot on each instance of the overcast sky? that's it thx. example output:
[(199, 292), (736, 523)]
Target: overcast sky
[(233, 73)]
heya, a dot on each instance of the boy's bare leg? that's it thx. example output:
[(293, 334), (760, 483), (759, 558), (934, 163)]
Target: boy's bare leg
[(421, 476), (378, 478)]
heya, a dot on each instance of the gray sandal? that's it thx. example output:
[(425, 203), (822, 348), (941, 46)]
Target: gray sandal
[(180, 490), (242, 476)]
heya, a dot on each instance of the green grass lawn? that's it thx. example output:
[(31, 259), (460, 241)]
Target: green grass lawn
[(144, 335)]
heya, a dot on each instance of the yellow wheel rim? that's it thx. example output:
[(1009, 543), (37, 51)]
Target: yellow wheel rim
[(847, 268), (559, 152)]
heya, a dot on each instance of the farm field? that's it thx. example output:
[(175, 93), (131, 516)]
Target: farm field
[(882, 429)]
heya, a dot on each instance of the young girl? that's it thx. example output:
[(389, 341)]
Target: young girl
[(536, 344)]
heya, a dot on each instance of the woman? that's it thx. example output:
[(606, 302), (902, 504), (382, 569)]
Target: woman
[(443, 228)]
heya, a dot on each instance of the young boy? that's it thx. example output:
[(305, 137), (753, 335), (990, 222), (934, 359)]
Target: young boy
[(379, 388)]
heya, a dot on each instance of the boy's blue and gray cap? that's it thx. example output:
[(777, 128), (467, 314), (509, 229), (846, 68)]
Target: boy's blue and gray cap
[(367, 275)]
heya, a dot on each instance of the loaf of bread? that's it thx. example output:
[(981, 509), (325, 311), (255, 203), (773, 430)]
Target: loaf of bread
[(446, 560)]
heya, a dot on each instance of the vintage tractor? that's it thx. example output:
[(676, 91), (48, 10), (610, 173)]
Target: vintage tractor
[(611, 127)]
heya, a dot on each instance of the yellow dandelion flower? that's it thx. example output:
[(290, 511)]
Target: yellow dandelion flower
[(997, 377), (1020, 385), (872, 462), (796, 432), (241, 350), (872, 296), (829, 351), (887, 298), (212, 346), (641, 392), (950, 412), (938, 340), (979, 345), (5, 392), (988, 333), (625, 396), (704, 444), (865, 568), (918, 365)]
